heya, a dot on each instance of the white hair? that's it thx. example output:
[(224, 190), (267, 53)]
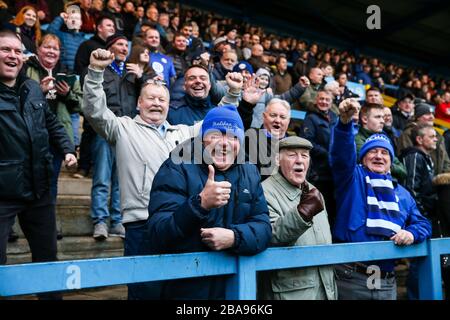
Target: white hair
[(284, 103)]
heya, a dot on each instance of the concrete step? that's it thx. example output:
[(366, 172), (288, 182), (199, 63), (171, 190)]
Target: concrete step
[(72, 216), (73, 186), (70, 248)]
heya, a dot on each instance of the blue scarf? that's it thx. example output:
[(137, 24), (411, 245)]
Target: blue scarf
[(117, 67), (383, 216)]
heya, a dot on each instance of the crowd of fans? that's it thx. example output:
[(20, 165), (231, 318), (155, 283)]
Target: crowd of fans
[(201, 60)]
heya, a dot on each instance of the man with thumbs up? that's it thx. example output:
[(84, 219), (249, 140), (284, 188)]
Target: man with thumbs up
[(208, 201)]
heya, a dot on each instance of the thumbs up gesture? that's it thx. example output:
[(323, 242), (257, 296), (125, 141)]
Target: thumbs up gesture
[(214, 194)]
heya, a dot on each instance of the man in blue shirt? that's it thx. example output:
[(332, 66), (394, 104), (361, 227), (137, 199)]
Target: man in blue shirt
[(162, 64), (371, 206)]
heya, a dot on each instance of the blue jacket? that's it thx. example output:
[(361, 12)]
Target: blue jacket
[(351, 203), (71, 41), (317, 129), (188, 110), (175, 219)]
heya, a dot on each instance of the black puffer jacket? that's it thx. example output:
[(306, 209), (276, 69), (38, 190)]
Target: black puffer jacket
[(419, 180), (27, 128)]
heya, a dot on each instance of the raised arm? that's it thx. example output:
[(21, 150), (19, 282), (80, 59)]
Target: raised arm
[(95, 109)]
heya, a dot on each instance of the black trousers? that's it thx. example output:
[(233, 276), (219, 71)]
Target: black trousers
[(38, 223), (37, 220)]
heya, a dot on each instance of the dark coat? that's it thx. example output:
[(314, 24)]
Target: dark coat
[(28, 127), (121, 92), (84, 53), (399, 120), (419, 180), (176, 217), (188, 110)]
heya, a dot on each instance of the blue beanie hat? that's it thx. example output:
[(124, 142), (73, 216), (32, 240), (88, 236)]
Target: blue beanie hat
[(243, 65), (376, 141), (225, 119)]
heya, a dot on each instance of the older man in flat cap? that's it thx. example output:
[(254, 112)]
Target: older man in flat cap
[(298, 217)]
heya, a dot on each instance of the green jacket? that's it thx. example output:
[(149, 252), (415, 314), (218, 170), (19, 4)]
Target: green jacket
[(65, 106), (398, 169), (289, 229)]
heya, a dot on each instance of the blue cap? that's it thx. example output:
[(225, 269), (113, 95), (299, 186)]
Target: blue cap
[(243, 65), (225, 119), (376, 140)]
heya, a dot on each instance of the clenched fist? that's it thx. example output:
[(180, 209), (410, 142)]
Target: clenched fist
[(235, 81), (100, 59), (214, 194), (347, 109)]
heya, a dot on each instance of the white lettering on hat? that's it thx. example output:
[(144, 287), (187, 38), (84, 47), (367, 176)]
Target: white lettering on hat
[(377, 137), (242, 66), (225, 124)]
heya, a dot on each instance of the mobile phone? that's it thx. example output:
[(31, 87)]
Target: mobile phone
[(69, 79)]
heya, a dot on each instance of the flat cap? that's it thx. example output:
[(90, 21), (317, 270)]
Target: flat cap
[(294, 142)]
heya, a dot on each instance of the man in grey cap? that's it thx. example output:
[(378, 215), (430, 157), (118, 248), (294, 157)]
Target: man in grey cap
[(298, 217), (424, 115)]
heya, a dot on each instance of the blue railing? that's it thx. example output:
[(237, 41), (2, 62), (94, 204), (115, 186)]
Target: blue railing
[(80, 274)]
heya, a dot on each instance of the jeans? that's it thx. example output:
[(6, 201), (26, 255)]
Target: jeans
[(75, 117), (134, 234), (87, 138), (104, 178)]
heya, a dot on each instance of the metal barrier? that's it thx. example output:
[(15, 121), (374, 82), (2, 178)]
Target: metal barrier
[(79, 274)]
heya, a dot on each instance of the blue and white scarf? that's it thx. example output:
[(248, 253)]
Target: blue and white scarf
[(383, 217), (117, 67)]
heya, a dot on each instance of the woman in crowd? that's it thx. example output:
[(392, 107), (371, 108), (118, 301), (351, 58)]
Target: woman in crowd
[(63, 98), (27, 25)]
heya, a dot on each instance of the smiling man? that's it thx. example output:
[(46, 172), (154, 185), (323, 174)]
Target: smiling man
[(299, 218), (27, 126), (208, 202), (371, 206), (142, 144)]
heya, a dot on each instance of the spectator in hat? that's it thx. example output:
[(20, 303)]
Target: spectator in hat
[(424, 114), (363, 192), (403, 111), (371, 122), (208, 201), (220, 45), (299, 218)]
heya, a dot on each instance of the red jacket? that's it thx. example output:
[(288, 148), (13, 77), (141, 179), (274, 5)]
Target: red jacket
[(443, 111)]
